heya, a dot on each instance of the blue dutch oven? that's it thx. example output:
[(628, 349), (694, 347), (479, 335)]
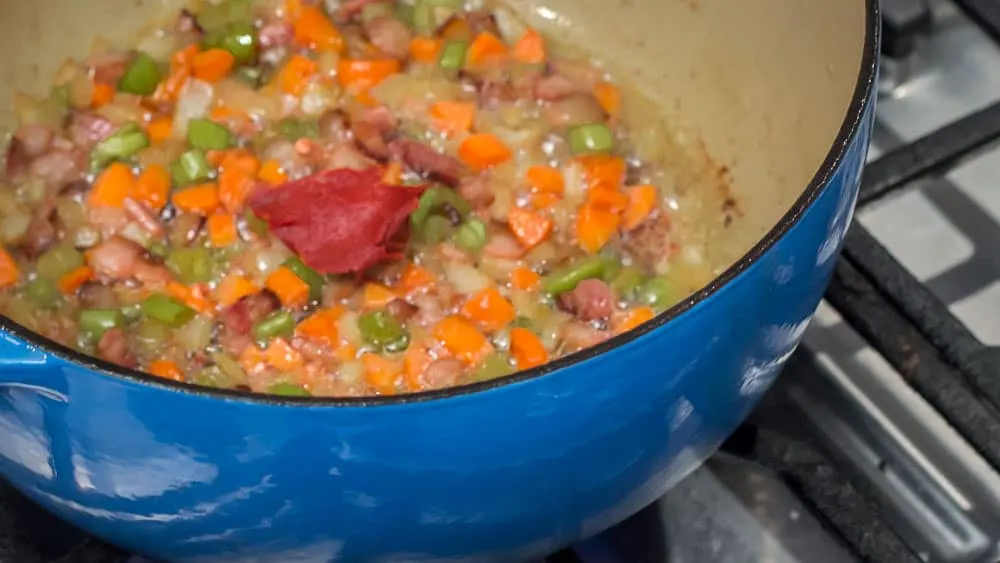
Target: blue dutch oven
[(779, 90)]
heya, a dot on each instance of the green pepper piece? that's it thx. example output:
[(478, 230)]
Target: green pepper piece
[(278, 323), (453, 55), (494, 366), (58, 261), (256, 224), (240, 39), (658, 293), (207, 135), (229, 367), (591, 138), (95, 322), (159, 249), (435, 230), (423, 18), (471, 236), (167, 310), (294, 129), (288, 390), (151, 334), (42, 293), (308, 275), (566, 278), (123, 143), (382, 330), (191, 265), (436, 198), (627, 282), (141, 76), (190, 167)]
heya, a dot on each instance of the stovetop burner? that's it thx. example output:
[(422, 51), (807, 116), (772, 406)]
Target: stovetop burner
[(881, 441)]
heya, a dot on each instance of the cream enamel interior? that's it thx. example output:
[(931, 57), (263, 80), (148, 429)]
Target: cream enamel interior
[(761, 87)]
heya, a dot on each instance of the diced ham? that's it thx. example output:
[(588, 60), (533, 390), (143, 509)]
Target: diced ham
[(35, 139), (390, 36), (87, 129), (17, 159), (96, 295), (57, 168), (575, 109), (425, 159), (186, 23), (503, 245), (401, 310), (113, 347), (238, 319), (118, 258), (108, 68), (651, 242), (333, 126), (143, 216), (371, 130), (555, 87), (591, 300), (39, 237), (476, 190), (276, 34), (443, 373)]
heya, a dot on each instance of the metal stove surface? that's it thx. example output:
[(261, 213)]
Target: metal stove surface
[(938, 496)]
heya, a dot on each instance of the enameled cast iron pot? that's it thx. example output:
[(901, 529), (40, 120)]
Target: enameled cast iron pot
[(780, 91)]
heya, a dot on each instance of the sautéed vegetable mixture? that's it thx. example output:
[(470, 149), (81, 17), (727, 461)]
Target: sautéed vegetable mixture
[(346, 198)]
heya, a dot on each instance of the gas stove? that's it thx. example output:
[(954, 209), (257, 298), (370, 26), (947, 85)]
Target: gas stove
[(881, 441)]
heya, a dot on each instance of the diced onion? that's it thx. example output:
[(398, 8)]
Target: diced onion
[(466, 278), (194, 102)]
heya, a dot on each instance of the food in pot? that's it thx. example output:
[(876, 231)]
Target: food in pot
[(342, 199)]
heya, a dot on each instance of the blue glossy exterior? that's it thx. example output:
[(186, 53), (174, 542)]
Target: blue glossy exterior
[(502, 474)]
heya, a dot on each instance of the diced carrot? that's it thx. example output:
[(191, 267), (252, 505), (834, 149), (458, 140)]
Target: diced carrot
[(165, 369), (237, 177), (223, 112), (282, 356), (185, 57), (452, 116), (292, 9), (71, 281), (322, 326), (393, 174), (641, 202), (376, 296), (530, 48), (160, 129), (595, 225), (483, 150), (311, 28), (529, 228), (202, 199), (364, 74), (102, 95), (381, 373), (270, 172), (544, 200), (628, 320), (212, 65), (425, 49), (180, 71), (524, 279), (413, 278), (603, 170), (609, 97), (252, 359), (346, 352), (415, 362), (221, 230), (112, 187), (290, 289), (295, 75), (233, 288), (190, 296), (485, 47), (463, 339), (527, 349), (609, 198), (152, 187), (10, 273), (545, 179), (490, 309)]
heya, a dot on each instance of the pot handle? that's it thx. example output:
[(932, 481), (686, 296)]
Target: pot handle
[(17, 357)]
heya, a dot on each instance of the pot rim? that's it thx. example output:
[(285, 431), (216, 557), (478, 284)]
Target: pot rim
[(861, 99)]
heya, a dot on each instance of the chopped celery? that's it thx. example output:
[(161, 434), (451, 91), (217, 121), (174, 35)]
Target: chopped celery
[(167, 310), (58, 261), (382, 330), (191, 265), (95, 322), (190, 167), (566, 278), (308, 275), (123, 143), (206, 134), (471, 235), (279, 323), (288, 390), (591, 138), (141, 76)]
